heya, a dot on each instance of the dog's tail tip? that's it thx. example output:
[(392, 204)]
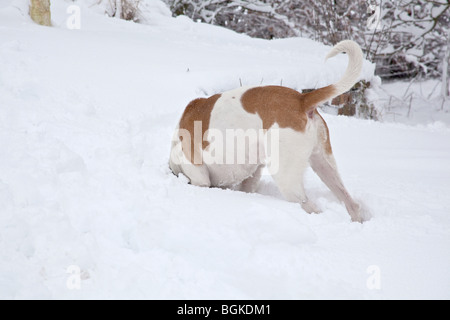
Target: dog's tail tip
[(354, 67), (345, 46)]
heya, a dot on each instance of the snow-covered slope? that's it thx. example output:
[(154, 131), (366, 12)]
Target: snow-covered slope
[(86, 118)]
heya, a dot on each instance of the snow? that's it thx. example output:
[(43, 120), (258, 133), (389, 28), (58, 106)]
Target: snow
[(86, 118), (414, 102)]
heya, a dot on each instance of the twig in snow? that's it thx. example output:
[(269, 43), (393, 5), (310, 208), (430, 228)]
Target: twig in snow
[(409, 86), (432, 91), (410, 105)]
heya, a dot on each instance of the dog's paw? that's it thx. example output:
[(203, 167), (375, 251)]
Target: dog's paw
[(310, 207), (355, 211)]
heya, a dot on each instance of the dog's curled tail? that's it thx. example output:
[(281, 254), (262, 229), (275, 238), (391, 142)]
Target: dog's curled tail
[(355, 56)]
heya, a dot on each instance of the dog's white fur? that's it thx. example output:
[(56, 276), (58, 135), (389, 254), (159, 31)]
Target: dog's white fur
[(297, 150)]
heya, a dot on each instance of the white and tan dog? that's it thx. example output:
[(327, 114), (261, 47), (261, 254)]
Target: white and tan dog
[(302, 137)]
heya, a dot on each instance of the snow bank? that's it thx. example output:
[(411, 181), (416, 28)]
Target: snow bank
[(86, 118)]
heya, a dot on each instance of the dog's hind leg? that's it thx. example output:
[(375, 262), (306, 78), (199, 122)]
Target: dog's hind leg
[(289, 167), (290, 183), (324, 164)]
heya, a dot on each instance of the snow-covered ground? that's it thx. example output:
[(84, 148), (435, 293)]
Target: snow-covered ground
[(413, 102), (89, 208)]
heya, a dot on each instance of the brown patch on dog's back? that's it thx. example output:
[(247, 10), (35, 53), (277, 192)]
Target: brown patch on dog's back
[(197, 110), (276, 104), (285, 106)]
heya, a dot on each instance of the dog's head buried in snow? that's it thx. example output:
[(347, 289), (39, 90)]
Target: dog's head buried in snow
[(227, 139)]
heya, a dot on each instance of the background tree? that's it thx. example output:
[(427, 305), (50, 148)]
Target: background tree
[(40, 12), (411, 38)]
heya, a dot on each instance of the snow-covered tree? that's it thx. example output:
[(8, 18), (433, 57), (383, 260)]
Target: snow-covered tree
[(318, 19), (408, 40), (40, 12), (411, 38), (123, 9), (446, 71), (118, 5), (257, 18)]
